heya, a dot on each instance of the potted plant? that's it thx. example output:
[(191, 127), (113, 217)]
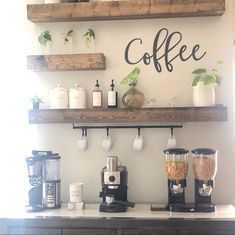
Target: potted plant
[(45, 39), (133, 98), (89, 37), (36, 102), (69, 41), (204, 84)]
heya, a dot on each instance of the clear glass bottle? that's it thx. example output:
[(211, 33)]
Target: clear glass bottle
[(112, 97), (97, 96)]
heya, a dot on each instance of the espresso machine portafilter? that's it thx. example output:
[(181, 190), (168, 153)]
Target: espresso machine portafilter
[(114, 187), (204, 167)]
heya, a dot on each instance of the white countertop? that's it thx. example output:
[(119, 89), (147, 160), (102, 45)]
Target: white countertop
[(140, 211)]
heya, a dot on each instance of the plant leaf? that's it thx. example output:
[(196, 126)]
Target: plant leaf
[(196, 80), (69, 33), (220, 62), (209, 79), (199, 71), (132, 77), (91, 33)]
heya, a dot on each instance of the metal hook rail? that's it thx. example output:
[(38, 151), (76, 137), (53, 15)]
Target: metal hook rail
[(84, 128)]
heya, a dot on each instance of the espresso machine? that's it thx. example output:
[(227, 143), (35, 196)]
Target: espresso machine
[(44, 181), (176, 165), (114, 187), (204, 167)]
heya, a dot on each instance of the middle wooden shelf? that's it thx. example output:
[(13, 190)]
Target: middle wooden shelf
[(141, 115), (66, 62)]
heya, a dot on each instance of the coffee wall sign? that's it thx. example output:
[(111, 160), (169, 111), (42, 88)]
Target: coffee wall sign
[(166, 49)]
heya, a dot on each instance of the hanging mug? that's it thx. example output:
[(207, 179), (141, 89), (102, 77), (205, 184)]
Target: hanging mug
[(107, 142), (82, 141), (138, 143)]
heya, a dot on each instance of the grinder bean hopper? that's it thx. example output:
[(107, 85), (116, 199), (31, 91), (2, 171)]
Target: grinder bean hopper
[(176, 168), (204, 167)]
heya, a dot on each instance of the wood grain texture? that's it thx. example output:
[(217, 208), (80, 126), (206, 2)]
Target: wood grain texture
[(123, 10), (98, 116), (92, 61)]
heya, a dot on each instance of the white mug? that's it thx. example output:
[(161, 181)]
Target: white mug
[(107, 143), (138, 143), (75, 192), (82, 143)]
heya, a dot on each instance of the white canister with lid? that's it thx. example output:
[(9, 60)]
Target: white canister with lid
[(77, 98), (59, 98)]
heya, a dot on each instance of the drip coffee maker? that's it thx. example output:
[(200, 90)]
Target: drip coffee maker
[(176, 168), (114, 187), (204, 167), (44, 180)]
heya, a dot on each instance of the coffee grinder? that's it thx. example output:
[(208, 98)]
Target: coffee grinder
[(204, 167), (114, 187), (44, 180), (35, 177), (176, 168)]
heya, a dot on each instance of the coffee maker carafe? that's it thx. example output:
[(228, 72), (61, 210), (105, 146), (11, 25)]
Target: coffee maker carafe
[(204, 167), (176, 168), (114, 187), (51, 181), (44, 180)]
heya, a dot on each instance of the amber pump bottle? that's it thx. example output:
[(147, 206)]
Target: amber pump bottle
[(97, 96)]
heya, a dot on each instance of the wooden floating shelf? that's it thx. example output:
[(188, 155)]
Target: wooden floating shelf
[(124, 10), (66, 62), (98, 116)]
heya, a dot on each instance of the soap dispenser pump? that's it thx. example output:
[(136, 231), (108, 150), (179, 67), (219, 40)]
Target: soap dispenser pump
[(97, 96), (112, 97)]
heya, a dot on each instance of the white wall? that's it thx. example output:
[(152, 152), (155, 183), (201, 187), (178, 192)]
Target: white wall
[(147, 180)]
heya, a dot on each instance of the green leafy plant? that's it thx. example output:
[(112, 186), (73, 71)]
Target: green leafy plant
[(212, 77), (45, 37), (131, 79), (68, 35), (36, 99), (89, 37)]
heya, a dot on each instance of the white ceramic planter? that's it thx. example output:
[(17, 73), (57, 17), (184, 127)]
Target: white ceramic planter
[(203, 95), (51, 1)]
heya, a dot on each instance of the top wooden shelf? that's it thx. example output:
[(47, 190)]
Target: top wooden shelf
[(124, 10)]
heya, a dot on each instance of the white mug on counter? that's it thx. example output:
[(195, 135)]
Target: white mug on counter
[(75, 192)]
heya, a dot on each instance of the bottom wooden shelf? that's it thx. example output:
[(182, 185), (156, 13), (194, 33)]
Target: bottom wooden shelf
[(96, 116)]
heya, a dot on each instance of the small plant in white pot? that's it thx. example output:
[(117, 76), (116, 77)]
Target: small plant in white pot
[(204, 86)]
